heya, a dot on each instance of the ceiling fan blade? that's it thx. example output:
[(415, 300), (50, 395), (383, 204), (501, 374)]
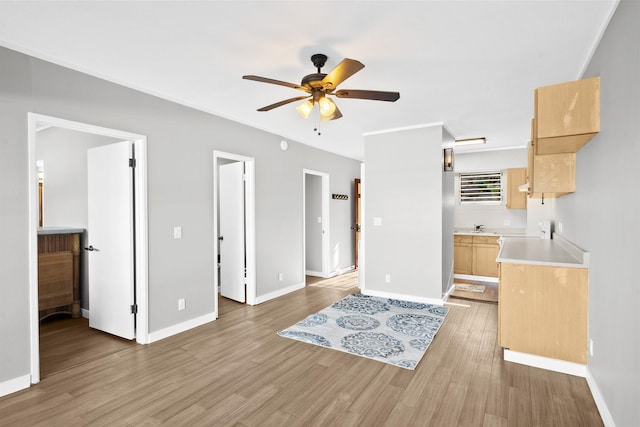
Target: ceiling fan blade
[(275, 82), (345, 69), (375, 95), (281, 103), (336, 115)]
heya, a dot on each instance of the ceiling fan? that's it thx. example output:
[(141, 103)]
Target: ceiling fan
[(319, 85)]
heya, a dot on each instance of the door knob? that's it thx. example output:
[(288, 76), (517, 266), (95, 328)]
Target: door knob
[(221, 238), (91, 248)]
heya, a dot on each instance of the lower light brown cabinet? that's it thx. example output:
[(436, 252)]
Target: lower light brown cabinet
[(542, 310), (462, 254), (475, 255)]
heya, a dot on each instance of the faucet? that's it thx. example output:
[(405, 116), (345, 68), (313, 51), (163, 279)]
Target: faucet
[(478, 228)]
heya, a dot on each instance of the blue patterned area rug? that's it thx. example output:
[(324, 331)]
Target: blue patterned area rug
[(388, 330)]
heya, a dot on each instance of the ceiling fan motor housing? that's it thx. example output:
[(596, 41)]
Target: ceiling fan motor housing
[(313, 81)]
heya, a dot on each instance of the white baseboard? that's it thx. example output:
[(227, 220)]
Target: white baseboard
[(16, 384), (337, 272), (85, 313), (313, 273), (479, 278), (340, 271), (278, 293), (451, 289), (555, 365), (403, 297), (182, 327), (607, 419)]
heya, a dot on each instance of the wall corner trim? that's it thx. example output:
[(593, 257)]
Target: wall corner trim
[(16, 384), (607, 419)]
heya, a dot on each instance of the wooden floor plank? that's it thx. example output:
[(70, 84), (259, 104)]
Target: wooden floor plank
[(238, 371)]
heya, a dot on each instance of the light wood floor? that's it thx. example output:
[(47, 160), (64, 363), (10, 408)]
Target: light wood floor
[(238, 371)]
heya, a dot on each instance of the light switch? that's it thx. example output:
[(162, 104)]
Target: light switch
[(377, 221), (177, 232), (319, 220)]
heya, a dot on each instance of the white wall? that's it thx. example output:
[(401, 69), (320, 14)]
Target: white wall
[(491, 216), (64, 153), (313, 228), (403, 188)]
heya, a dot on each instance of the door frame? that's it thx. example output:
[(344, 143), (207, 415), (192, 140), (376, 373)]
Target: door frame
[(250, 223), (37, 121), (325, 222)]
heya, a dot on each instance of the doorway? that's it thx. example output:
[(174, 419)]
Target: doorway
[(139, 224), (238, 247), (315, 220)]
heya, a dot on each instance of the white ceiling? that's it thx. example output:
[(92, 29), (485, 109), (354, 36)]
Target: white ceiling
[(472, 65)]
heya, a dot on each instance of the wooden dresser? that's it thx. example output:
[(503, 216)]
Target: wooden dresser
[(59, 271)]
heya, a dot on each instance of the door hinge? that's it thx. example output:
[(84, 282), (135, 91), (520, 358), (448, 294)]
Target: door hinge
[(244, 177), (134, 309), (132, 163)]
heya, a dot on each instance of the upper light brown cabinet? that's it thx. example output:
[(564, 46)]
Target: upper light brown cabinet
[(551, 175), (567, 115), (515, 198)]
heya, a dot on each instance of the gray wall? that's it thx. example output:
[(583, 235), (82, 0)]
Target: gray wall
[(180, 178), (313, 228), (602, 216), (404, 187), (448, 208), (64, 153), (15, 81)]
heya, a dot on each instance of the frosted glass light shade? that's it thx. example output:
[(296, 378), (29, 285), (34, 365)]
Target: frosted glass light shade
[(305, 108), (327, 106)]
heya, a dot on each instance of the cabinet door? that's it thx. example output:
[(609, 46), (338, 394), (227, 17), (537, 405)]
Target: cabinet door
[(484, 259), (543, 311), (567, 115), (462, 258), (515, 198)]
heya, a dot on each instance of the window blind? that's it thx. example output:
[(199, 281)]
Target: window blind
[(482, 187)]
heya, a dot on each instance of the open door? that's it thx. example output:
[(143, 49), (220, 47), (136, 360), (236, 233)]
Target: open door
[(110, 239), (356, 220), (232, 231)]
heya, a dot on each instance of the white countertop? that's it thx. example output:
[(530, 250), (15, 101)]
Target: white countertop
[(553, 252), (468, 231)]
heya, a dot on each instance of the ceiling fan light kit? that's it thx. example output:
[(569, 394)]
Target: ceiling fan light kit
[(319, 85)]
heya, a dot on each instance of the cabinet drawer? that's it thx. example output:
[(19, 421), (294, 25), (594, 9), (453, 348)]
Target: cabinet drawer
[(460, 238), (490, 240)]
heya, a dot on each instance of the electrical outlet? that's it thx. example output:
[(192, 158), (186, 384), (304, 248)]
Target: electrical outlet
[(590, 347), (181, 304), (280, 277), (177, 232), (560, 227), (387, 278)]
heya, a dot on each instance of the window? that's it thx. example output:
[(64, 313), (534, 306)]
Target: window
[(481, 187)]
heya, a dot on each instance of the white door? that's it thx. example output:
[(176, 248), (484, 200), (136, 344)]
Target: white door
[(110, 239), (232, 240)]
